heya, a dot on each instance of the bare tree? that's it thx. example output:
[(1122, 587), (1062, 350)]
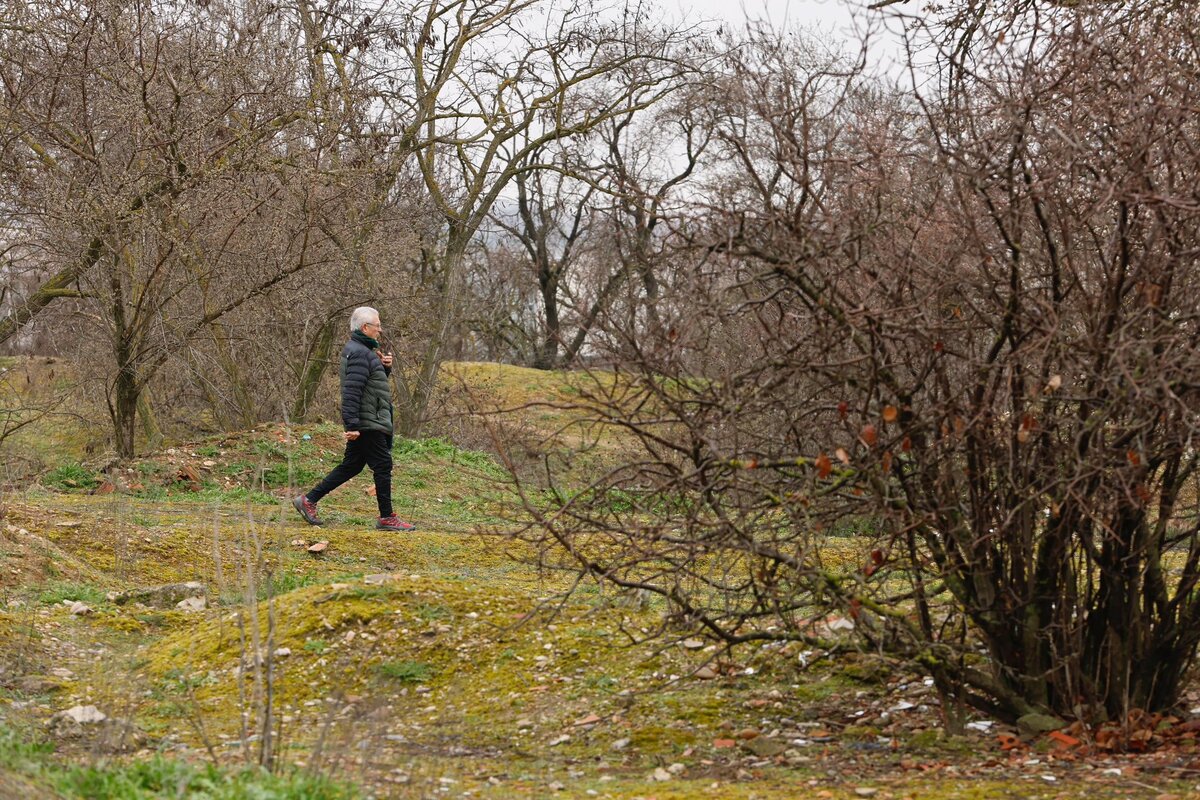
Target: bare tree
[(967, 336), (482, 88)]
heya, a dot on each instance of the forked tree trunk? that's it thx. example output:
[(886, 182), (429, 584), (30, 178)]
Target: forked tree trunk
[(314, 370)]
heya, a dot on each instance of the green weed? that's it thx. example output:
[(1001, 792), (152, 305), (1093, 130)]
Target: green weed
[(405, 671), (72, 476), (290, 475), (55, 593), (158, 778)]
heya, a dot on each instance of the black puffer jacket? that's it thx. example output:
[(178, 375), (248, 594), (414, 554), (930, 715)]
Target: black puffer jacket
[(366, 390)]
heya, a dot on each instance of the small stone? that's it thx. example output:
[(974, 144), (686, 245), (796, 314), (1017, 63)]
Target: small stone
[(693, 644), (676, 769), (376, 580), (283, 652), (192, 604), (660, 774), (299, 543), (208, 462), (318, 547), (84, 715), (556, 786), (557, 740), (36, 684), (765, 747), (706, 673), (1034, 724), (620, 744), (866, 791), (80, 609), (747, 733)]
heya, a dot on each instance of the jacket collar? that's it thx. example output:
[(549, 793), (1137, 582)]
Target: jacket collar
[(362, 338)]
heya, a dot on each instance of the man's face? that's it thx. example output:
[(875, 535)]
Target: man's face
[(372, 329)]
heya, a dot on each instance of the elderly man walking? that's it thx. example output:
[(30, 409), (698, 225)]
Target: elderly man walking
[(367, 419)]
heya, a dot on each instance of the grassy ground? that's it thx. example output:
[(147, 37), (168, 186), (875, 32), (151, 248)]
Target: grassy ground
[(430, 664)]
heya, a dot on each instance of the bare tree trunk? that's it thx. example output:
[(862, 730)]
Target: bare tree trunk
[(547, 355), (314, 370)]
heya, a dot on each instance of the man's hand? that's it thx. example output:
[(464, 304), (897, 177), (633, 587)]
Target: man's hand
[(351, 435), (386, 358)]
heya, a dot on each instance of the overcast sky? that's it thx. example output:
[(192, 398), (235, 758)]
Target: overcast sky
[(828, 15), (835, 20)]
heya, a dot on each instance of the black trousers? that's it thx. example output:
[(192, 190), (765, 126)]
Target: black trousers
[(371, 447)]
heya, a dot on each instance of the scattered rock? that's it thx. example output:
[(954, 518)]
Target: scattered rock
[(299, 543), (705, 673), (589, 720), (1034, 724), (80, 609), (36, 684), (192, 604), (283, 652), (378, 580), (747, 733), (620, 744), (676, 769), (80, 715), (660, 774), (557, 740), (693, 644), (765, 747), (724, 743), (866, 791), (318, 547), (166, 596)]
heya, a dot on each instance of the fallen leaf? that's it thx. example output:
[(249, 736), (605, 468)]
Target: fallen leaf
[(868, 435), (1007, 741), (823, 465), (1066, 740)]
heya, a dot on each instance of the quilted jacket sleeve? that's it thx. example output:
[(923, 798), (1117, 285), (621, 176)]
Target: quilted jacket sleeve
[(356, 368)]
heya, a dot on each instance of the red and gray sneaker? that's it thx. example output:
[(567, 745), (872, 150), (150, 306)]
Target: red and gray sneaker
[(394, 523), (307, 510)]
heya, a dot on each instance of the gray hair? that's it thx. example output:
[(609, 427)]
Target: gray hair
[(361, 316)]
